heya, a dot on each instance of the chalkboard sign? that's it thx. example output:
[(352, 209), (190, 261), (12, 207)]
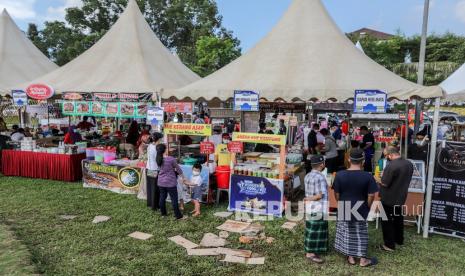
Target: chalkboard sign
[(448, 198)]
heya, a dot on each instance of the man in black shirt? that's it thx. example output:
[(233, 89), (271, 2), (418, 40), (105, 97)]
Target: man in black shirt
[(312, 139), (394, 189), (368, 146)]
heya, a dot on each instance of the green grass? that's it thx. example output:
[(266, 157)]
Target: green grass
[(14, 257), (78, 247)]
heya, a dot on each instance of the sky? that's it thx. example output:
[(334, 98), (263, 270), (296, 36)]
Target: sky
[(251, 20)]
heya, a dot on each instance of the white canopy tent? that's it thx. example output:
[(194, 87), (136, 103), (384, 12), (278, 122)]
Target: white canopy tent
[(359, 46), (129, 58), (454, 86), (304, 57), (20, 60)]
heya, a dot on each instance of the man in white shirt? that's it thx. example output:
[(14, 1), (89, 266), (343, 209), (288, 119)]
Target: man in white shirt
[(18, 135), (153, 192)]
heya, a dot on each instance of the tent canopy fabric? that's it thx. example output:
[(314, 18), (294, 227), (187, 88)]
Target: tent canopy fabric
[(20, 60), (129, 58), (305, 57), (454, 86)]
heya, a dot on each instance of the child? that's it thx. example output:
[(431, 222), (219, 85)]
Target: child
[(195, 188)]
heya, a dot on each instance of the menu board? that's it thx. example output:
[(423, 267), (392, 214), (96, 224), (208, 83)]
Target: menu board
[(448, 198)]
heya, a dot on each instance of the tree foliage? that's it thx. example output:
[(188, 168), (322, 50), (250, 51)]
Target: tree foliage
[(179, 24), (444, 53)]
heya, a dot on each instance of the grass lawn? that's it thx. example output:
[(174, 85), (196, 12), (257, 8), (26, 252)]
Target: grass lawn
[(14, 256), (77, 247)]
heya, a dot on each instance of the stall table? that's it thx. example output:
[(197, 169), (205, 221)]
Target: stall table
[(62, 167)]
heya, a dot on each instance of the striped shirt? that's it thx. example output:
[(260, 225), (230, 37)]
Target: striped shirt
[(315, 184)]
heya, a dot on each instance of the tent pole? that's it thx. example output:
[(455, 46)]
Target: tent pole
[(432, 159), (406, 129)]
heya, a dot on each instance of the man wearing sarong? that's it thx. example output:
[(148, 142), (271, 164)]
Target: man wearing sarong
[(354, 190), (316, 203)]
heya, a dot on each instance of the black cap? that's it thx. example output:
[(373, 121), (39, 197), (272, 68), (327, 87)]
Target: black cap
[(357, 154), (317, 159)]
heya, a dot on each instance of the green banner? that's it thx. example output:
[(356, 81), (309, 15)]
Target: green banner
[(105, 109)]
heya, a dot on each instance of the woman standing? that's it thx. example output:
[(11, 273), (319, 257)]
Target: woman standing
[(133, 134), (167, 181), (153, 192)]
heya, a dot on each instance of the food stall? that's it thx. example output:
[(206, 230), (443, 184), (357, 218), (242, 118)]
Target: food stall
[(259, 181)]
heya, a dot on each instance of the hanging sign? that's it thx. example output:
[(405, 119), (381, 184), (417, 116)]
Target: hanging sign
[(83, 108), (178, 107), (40, 91), (155, 115), (19, 97), (235, 147), (448, 198), (188, 129), (207, 148), (269, 139), (370, 101), (246, 100)]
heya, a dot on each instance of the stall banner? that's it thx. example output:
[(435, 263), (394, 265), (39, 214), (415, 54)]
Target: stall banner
[(118, 179), (207, 148), (246, 100), (178, 107), (272, 107), (236, 147), (127, 110), (19, 97), (269, 139), (155, 115), (98, 109), (257, 195), (122, 97), (188, 129), (40, 91), (83, 108), (105, 109), (370, 101), (448, 198), (75, 96), (68, 108)]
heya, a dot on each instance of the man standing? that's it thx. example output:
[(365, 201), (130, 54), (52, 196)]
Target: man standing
[(312, 139), (355, 191), (316, 203), (330, 151), (368, 145), (394, 189)]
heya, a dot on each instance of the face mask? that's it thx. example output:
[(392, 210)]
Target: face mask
[(195, 173), (225, 141)]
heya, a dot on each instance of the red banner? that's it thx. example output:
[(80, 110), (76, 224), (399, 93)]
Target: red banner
[(207, 148), (39, 91), (236, 147)]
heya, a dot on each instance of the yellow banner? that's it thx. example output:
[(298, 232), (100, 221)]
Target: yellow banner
[(188, 129), (269, 139)]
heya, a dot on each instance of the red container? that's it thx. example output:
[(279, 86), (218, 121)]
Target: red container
[(223, 174)]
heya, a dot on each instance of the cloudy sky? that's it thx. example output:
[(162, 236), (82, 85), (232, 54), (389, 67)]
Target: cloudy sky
[(252, 19)]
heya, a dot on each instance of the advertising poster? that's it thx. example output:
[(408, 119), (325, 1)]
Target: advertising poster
[(127, 110), (83, 108), (448, 198), (370, 101), (246, 100), (69, 108), (98, 109), (178, 107), (155, 115), (19, 97), (118, 179), (112, 109), (256, 195), (188, 129), (141, 111)]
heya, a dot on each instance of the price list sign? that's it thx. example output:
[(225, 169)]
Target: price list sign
[(448, 199)]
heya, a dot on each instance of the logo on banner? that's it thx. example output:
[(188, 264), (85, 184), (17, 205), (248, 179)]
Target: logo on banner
[(251, 188), (19, 97), (129, 177), (370, 101), (246, 100), (155, 115), (452, 158), (40, 91)]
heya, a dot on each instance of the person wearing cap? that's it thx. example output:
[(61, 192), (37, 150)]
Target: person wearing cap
[(355, 191), (316, 203), (394, 187)]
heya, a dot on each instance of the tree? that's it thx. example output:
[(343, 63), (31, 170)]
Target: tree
[(179, 24), (212, 53)]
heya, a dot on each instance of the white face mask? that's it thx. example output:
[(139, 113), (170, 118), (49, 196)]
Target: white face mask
[(225, 141), (195, 173)]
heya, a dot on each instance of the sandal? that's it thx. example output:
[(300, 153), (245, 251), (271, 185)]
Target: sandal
[(315, 258), (384, 248), (373, 262)]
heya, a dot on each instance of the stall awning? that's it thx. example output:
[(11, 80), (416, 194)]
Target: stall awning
[(454, 86), (20, 60), (305, 57), (129, 58)]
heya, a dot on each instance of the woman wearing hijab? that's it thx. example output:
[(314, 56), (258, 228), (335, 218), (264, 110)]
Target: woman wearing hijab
[(133, 134)]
